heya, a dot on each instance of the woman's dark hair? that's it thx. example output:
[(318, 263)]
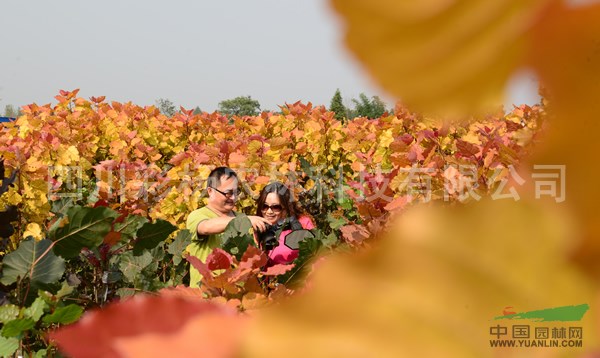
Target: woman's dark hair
[(290, 206)]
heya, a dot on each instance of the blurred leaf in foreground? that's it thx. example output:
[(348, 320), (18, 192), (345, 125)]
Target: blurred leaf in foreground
[(433, 287), (438, 54), (152, 326), (566, 54)]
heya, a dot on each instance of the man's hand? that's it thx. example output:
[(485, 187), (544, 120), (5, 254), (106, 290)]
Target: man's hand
[(258, 223)]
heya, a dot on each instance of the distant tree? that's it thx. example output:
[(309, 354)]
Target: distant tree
[(370, 108), (337, 106), (197, 110), (240, 106), (166, 107), (10, 111)]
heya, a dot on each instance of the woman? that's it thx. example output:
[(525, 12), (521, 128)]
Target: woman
[(274, 204)]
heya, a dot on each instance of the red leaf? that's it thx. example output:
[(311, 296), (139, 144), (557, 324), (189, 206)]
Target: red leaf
[(219, 259), (467, 149), (415, 153), (407, 138), (98, 99), (513, 126), (101, 202), (178, 158), (199, 265), (100, 332)]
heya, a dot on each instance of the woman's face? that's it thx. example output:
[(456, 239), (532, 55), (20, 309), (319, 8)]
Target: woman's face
[(272, 210)]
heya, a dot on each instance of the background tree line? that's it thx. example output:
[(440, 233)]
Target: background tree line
[(364, 106)]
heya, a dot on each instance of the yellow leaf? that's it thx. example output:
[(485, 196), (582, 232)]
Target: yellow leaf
[(68, 156), (278, 143), (472, 137), (440, 55), (33, 164), (433, 288), (567, 58), (33, 229), (12, 197)]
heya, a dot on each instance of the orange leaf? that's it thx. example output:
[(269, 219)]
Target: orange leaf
[(236, 159), (112, 238), (354, 234), (277, 270), (398, 203)]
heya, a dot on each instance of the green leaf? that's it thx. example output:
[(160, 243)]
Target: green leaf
[(308, 250), (130, 226), (65, 290), (36, 310), (237, 236), (125, 292), (346, 204), (42, 353), (131, 265), (336, 223), (8, 313), (60, 206), (151, 234), (329, 240), (64, 315), (111, 276), (181, 241), (22, 263), (305, 166), (8, 346), (81, 227), (16, 327)]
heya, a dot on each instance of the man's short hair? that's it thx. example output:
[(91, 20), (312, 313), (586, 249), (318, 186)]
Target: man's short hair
[(214, 178)]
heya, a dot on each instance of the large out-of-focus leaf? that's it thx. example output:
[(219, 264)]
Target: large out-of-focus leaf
[(433, 287), (144, 326), (81, 227), (24, 263), (438, 54), (566, 54)]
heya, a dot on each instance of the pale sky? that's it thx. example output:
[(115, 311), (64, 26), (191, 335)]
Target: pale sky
[(195, 53)]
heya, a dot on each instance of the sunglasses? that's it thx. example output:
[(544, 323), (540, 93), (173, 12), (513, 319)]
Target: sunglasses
[(276, 208), (228, 194)]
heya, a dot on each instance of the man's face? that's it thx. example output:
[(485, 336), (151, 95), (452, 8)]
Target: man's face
[(225, 195)]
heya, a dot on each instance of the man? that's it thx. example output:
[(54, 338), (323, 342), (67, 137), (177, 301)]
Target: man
[(208, 223)]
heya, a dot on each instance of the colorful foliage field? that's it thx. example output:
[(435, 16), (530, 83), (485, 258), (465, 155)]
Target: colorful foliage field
[(95, 195), (101, 192)]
